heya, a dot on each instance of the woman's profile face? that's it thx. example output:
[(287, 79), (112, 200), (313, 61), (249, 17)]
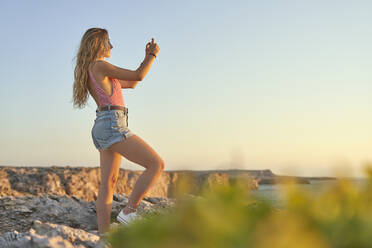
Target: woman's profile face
[(108, 51)]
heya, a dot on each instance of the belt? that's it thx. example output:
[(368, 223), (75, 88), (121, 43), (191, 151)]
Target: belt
[(110, 107)]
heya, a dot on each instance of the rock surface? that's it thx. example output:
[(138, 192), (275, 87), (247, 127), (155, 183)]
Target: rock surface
[(60, 221), (83, 182)]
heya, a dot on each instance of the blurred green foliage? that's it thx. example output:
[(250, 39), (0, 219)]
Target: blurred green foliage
[(229, 216)]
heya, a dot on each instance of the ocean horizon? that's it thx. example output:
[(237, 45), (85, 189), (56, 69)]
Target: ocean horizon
[(274, 194)]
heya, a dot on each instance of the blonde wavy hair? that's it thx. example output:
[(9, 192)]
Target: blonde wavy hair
[(93, 45)]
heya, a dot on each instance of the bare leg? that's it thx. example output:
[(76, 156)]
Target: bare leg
[(138, 151), (110, 165), (143, 184)]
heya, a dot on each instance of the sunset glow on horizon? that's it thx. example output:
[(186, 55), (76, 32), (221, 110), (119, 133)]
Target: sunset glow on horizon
[(279, 85)]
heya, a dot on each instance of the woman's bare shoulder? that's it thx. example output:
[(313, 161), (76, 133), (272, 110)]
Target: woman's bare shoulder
[(96, 69), (97, 65)]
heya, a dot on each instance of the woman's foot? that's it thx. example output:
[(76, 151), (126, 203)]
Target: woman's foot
[(126, 218), (127, 215)]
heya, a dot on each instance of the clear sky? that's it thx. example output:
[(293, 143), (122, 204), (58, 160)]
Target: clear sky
[(272, 84)]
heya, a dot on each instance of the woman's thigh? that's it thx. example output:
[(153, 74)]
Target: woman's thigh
[(110, 165), (138, 151)]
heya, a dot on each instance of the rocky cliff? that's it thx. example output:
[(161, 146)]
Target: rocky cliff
[(83, 182)]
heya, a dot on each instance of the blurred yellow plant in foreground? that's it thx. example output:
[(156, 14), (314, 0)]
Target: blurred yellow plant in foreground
[(230, 216)]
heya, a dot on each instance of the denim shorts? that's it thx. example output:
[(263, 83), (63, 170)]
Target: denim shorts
[(110, 126)]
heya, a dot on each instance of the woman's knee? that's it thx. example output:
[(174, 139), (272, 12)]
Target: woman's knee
[(159, 165), (162, 164), (155, 165)]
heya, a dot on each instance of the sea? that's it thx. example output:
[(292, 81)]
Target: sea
[(274, 192)]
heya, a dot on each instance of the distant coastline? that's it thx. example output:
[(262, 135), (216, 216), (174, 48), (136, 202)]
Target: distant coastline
[(265, 176)]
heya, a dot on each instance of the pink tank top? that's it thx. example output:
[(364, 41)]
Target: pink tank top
[(103, 99)]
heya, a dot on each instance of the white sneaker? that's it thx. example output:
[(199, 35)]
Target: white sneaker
[(126, 218)]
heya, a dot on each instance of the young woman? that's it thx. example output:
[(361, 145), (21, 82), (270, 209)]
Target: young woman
[(110, 132)]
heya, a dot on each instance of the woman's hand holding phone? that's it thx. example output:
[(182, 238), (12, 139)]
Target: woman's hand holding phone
[(152, 47)]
